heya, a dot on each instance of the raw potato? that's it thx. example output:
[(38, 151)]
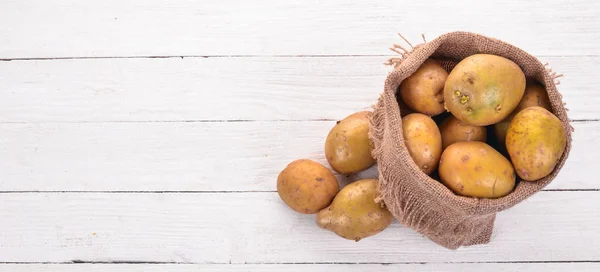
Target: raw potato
[(423, 140), (348, 148), (423, 91), (475, 169), (535, 140), (535, 95), (454, 130), (307, 186), (484, 89), (354, 214)]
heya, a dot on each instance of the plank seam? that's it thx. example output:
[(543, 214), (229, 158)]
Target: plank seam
[(230, 56), (76, 262)]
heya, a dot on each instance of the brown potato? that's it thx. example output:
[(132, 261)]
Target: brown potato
[(483, 89), (347, 147), (423, 140), (454, 130), (535, 95), (475, 169), (354, 214), (423, 90), (307, 186), (535, 140)]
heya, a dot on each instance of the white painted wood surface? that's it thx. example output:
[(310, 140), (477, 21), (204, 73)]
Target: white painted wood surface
[(196, 156), (68, 28), (495, 267), (257, 88), (136, 163), (259, 228)]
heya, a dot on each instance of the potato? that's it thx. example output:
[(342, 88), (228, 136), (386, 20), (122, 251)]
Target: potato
[(454, 130), (347, 147), (535, 140), (535, 95), (423, 90), (483, 89), (475, 169), (354, 214), (423, 140), (307, 186)]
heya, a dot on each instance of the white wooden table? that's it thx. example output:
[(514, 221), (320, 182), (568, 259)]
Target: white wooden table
[(147, 135)]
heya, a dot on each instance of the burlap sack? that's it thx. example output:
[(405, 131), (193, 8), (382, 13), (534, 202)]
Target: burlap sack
[(417, 200)]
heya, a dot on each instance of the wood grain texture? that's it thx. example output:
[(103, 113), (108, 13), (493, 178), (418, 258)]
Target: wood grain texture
[(243, 228), (176, 89), (202, 156), (70, 28), (488, 267)]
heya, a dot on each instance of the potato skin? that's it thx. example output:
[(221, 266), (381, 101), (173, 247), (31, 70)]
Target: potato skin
[(347, 147), (423, 90), (307, 186), (535, 95), (475, 169), (354, 214), (454, 130), (423, 140), (535, 140), (483, 89)]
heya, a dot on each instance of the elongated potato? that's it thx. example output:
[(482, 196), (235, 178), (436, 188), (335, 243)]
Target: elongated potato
[(535, 140), (475, 169), (483, 89), (423, 140), (347, 147), (354, 214)]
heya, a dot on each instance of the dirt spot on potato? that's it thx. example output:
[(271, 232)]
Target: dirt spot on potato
[(471, 79), (465, 158), (320, 179)]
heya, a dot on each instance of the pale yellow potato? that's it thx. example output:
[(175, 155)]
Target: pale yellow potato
[(475, 169), (354, 214)]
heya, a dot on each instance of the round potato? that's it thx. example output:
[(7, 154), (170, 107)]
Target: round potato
[(454, 130), (354, 214), (483, 89), (475, 169), (347, 147), (423, 140), (307, 186), (535, 95), (535, 140), (423, 91)]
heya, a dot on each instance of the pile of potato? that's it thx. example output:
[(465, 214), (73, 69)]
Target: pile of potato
[(476, 128), (309, 187), (482, 93)]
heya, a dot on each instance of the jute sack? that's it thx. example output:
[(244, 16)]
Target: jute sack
[(414, 198)]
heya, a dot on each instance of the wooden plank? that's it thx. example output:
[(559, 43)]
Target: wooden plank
[(259, 228), (177, 89), (37, 28), (226, 156), (488, 267)]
